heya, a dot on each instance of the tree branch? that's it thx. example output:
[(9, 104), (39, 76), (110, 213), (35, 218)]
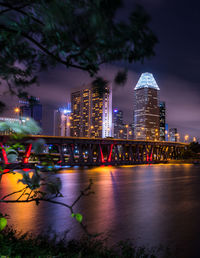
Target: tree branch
[(46, 51), (83, 193), (6, 196), (18, 9)]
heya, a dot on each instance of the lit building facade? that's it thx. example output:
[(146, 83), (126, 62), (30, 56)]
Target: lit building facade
[(121, 130), (118, 125), (173, 135), (76, 105), (91, 114), (166, 132), (32, 108), (162, 121), (62, 122), (146, 108)]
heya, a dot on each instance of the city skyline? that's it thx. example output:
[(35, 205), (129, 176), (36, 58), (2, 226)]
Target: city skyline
[(118, 93)]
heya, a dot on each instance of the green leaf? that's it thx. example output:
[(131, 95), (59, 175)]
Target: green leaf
[(3, 223), (33, 182), (79, 217)]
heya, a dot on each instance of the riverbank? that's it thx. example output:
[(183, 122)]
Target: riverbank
[(184, 161), (15, 245)]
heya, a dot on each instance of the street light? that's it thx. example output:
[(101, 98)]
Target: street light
[(17, 112)]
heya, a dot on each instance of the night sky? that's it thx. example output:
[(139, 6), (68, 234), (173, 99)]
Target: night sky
[(175, 68)]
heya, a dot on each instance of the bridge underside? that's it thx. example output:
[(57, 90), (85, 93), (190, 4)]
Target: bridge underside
[(116, 154), (67, 151)]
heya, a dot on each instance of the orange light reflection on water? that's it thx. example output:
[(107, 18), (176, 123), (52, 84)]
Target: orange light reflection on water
[(23, 215)]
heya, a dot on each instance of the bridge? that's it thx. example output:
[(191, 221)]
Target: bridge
[(75, 151)]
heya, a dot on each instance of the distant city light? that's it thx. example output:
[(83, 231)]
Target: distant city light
[(16, 110), (66, 111), (186, 137), (115, 110)]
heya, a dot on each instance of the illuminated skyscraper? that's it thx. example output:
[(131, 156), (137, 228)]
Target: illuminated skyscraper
[(91, 114), (81, 113), (62, 121), (118, 124), (173, 135), (162, 120), (146, 108), (32, 108)]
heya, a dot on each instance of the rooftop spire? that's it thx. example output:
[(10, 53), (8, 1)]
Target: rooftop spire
[(146, 81)]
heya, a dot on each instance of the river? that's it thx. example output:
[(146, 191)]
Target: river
[(149, 204)]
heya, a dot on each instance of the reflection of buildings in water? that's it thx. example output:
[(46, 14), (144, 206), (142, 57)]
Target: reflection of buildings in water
[(101, 206)]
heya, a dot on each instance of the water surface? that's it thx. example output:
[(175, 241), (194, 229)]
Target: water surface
[(152, 205)]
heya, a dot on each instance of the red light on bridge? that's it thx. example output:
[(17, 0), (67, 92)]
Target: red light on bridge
[(4, 154), (102, 157), (28, 153), (110, 154)]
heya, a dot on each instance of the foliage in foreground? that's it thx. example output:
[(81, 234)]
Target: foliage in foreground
[(36, 186), (15, 245), (81, 34)]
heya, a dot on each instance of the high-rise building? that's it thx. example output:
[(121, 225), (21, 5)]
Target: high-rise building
[(128, 132), (118, 125), (121, 130), (91, 113), (173, 135), (62, 122), (166, 132), (146, 108), (162, 120), (81, 113), (32, 108)]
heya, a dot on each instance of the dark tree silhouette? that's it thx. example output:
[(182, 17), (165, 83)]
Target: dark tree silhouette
[(83, 34)]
